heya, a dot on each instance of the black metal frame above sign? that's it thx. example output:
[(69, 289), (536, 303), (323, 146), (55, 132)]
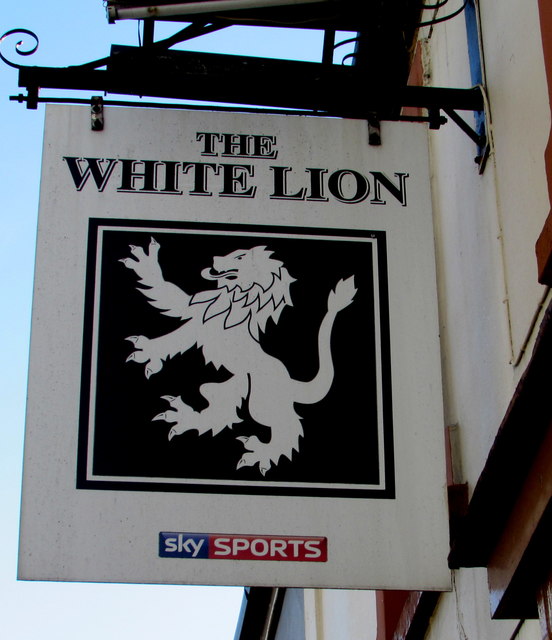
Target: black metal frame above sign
[(374, 87)]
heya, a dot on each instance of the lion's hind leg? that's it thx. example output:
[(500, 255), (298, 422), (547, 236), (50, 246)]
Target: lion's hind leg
[(286, 428), (224, 400)]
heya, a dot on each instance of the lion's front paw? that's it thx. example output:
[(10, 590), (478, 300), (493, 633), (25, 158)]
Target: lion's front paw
[(144, 354), (145, 264), (180, 413), (256, 452)]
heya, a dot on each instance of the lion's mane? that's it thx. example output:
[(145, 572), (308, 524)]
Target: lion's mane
[(252, 303)]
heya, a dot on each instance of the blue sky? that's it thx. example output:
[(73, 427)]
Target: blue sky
[(72, 33)]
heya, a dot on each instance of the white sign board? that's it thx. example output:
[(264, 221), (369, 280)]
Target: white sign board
[(235, 360)]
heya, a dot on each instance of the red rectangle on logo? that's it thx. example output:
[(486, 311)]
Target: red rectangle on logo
[(279, 548)]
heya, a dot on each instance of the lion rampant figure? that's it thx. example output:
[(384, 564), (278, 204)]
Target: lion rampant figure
[(226, 323)]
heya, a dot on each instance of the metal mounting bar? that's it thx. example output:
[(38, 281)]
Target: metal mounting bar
[(96, 113), (149, 31), (328, 48), (20, 98), (374, 130), (194, 30)]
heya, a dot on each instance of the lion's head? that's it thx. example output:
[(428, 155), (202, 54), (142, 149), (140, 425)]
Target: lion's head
[(251, 286)]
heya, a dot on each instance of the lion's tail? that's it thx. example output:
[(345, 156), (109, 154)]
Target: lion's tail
[(317, 388)]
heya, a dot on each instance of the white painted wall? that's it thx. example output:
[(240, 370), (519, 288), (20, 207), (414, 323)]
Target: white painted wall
[(487, 225), (529, 630), (340, 614), (464, 613), (474, 317), (291, 625), (518, 95), (486, 228)]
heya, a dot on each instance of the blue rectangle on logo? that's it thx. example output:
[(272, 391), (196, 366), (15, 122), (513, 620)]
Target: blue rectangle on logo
[(183, 545)]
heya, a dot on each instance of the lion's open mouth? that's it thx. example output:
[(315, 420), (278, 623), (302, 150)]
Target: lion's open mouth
[(213, 274)]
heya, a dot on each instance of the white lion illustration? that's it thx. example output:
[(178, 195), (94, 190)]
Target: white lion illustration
[(225, 322)]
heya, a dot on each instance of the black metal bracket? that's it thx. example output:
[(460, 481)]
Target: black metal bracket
[(374, 130), (316, 88), (480, 140), (97, 114)]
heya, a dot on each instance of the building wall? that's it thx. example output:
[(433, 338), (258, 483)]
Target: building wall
[(292, 617), (462, 615), (516, 83), (487, 225), (333, 614), (464, 612)]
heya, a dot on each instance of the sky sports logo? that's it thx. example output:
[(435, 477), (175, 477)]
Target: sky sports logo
[(218, 546)]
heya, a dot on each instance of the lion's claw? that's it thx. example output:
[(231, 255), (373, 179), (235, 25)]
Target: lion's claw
[(137, 356), (250, 459), (144, 354), (154, 366), (180, 414), (256, 452), (138, 252), (141, 342), (149, 371)]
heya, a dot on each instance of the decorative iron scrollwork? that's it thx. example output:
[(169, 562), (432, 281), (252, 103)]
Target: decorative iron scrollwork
[(19, 45)]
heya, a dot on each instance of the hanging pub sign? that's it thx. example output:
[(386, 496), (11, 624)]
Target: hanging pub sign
[(235, 360)]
